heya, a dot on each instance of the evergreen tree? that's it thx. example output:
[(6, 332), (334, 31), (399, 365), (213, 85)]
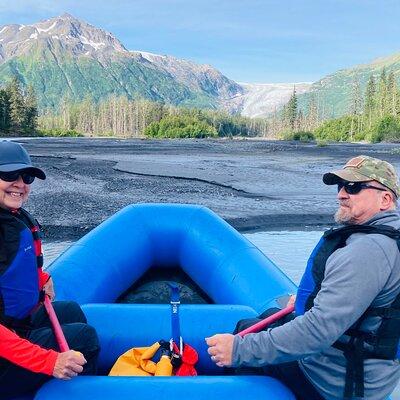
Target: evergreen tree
[(300, 121), (370, 100), (291, 110), (4, 111), (356, 108), (392, 94), (312, 115), (356, 98), (382, 93), (17, 106), (31, 111)]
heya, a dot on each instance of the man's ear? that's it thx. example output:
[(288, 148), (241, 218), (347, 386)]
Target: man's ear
[(387, 201)]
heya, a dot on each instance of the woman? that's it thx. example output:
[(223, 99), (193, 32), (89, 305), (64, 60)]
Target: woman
[(29, 354)]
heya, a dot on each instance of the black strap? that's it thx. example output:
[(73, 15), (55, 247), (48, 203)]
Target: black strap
[(384, 312), (40, 260), (34, 226), (354, 381), (355, 350), (348, 230), (358, 367), (349, 379), (355, 354), (21, 326)]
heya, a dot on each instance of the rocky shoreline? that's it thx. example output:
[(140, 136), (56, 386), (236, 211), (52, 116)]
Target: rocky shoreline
[(253, 184)]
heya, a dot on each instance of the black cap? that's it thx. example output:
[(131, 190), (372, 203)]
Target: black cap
[(13, 157)]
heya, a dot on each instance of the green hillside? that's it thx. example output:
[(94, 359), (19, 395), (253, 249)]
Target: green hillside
[(55, 74), (334, 93)]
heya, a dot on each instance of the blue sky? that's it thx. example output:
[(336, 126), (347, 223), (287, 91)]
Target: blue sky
[(249, 41)]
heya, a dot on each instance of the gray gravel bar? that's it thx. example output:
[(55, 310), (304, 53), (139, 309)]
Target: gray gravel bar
[(253, 184)]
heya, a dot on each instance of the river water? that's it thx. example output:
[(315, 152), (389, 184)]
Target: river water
[(287, 249)]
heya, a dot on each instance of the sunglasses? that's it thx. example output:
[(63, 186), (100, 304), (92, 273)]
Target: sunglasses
[(14, 175), (356, 187)]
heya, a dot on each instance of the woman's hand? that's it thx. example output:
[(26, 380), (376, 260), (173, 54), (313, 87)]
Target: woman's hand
[(68, 365), (48, 288)]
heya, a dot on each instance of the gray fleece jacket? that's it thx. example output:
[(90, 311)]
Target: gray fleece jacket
[(365, 272)]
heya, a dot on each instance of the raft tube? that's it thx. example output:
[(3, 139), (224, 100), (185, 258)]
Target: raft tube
[(224, 264), (240, 280), (123, 326)]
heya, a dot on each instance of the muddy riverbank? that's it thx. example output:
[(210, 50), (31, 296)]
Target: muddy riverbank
[(253, 184)]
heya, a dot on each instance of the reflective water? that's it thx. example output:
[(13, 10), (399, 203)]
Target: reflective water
[(289, 250), (52, 250)]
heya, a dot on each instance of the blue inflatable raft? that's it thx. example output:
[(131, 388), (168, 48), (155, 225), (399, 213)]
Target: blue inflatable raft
[(238, 278)]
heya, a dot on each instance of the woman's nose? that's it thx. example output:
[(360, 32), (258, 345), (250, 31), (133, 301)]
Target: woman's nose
[(19, 181)]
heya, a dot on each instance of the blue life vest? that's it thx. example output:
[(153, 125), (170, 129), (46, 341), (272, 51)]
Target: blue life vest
[(19, 262), (384, 344)]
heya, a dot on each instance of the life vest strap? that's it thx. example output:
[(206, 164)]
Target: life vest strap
[(21, 326), (355, 350), (385, 312), (34, 227)]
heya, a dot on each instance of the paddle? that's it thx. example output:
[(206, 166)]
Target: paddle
[(62, 343), (267, 321)]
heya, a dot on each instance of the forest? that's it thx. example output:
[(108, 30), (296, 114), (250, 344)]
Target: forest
[(373, 115)]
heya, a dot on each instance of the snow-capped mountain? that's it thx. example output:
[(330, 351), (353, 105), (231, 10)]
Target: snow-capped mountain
[(64, 57), (75, 36)]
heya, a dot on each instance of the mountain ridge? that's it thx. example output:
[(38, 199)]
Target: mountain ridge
[(67, 58), (73, 48)]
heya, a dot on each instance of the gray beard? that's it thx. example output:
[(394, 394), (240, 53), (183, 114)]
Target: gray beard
[(343, 218)]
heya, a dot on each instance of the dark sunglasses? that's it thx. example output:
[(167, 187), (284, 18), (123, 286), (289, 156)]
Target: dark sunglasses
[(14, 175), (356, 187)]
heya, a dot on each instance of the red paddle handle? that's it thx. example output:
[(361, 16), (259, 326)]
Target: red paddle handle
[(59, 334), (267, 321)]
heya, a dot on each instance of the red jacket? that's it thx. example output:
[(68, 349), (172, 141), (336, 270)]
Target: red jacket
[(22, 352)]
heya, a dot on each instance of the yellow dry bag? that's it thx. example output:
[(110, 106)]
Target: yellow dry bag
[(137, 362)]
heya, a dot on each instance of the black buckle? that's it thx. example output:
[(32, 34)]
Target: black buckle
[(42, 294), (389, 313), (176, 357)]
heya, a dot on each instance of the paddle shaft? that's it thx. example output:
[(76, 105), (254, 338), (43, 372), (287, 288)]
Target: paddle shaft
[(267, 321), (59, 334)]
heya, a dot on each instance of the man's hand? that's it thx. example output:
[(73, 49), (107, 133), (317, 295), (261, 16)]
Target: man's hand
[(48, 288), (68, 364), (220, 348), (292, 300)]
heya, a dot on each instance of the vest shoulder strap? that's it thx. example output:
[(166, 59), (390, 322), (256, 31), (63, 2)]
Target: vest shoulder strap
[(34, 227), (30, 221), (350, 229)]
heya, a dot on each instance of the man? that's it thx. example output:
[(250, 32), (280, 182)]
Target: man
[(343, 341), (29, 353)]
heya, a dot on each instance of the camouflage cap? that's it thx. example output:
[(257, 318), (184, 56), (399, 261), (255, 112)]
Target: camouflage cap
[(364, 169)]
